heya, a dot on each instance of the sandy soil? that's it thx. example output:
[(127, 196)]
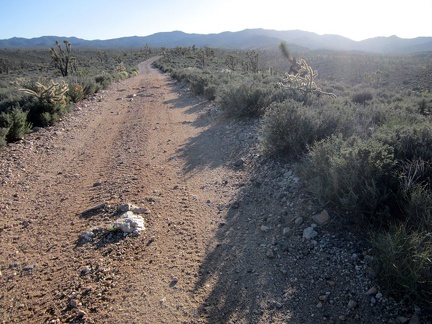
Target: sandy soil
[(223, 240)]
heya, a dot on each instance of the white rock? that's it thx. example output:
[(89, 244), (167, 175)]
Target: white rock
[(130, 222)]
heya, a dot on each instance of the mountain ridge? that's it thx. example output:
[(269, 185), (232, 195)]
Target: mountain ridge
[(245, 39)]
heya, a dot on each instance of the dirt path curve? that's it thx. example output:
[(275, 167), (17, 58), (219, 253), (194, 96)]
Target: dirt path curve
[(224, 233)]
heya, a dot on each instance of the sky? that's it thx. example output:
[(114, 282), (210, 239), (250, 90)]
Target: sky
[(108, 19)]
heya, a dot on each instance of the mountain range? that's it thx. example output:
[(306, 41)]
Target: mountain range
[(246, 39)]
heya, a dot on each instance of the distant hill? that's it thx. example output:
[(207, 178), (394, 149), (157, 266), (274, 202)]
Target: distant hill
[(246, 39)]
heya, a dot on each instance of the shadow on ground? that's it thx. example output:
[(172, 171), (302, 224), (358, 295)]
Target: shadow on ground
[(248, 285)]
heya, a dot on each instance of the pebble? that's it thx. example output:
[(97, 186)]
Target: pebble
[(270, 254), (371, 291), (264, 228), (351, 304), (309, 233), (298, 221)]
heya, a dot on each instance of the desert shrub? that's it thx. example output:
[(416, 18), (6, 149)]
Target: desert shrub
[(362, 97), (287, 128), (3, 133), (403, 263), (14, 125), (104, 80), (76, 92), (244, 100), (410, 140), (354, 174)]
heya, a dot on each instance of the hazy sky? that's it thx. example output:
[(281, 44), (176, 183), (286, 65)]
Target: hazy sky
[(106, 19)]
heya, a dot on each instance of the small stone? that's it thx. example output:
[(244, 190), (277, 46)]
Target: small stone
[(124, 208), (81, 313), (351, 304), (270, 254), (402, 320), (264, 228), (309, 233), (378, 296), (73, 303), (287, 231), (298, 221), (85, 270), (162, 301), (321, 218), (97, 183), (139, 210), (371, 291), (323, 297), (342, 317), (415, 319), (239, 163), (319, 305)]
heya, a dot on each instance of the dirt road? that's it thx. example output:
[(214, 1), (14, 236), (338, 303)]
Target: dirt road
[(223, 242)]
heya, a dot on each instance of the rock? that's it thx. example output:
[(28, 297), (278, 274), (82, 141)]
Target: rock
[(286, 231), (81, 313), (238, 163), (319, 305), (415, 319), (73, 303), (321, 218), (270, 254), (402, 320), (87, 236), (130, 223), (124, 208), (264, 228), (371, 291), (85, 270), (352, 304), (309, 233), (97, 183), (298, 221), (139, 210)]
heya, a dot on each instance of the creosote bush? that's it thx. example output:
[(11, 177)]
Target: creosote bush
[(351, 174)]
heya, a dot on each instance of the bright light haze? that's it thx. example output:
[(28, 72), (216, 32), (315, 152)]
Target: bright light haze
[(107, 19)]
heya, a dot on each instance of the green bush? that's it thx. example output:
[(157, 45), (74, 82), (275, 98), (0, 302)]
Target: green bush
[(104, 80), (14, 125), (3, 133), (410, 140), (403, 263), (288, 127), (355, 175), (247, 99), (362, 97)]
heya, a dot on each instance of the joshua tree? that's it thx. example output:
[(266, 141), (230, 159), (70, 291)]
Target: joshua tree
[(63, 60)]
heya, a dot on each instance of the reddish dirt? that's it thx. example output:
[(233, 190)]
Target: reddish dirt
[(214, 249)]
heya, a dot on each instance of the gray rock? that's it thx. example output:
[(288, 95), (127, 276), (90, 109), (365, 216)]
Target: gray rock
[(130, 223), (352, 304), (238, 163), (309, 233), (298, 221), (270, 254), (321, 218), (287, 231), (264, 228), (87, 236)]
